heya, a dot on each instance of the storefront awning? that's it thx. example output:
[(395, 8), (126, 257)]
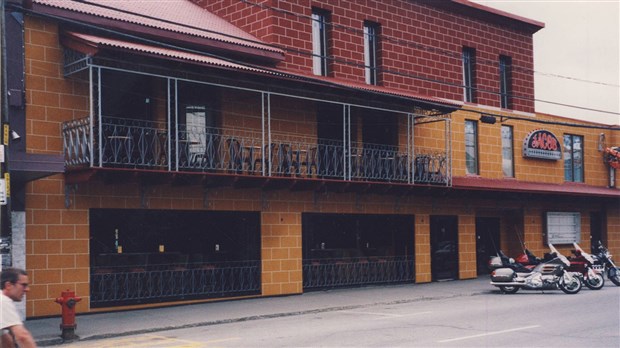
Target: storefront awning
[(516, 186)]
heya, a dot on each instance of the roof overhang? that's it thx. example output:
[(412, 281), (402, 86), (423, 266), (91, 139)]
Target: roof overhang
[(92, 45), (489, 14), (26, 167), (202, 28)]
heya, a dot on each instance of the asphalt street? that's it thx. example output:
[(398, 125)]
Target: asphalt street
[(446, 314)]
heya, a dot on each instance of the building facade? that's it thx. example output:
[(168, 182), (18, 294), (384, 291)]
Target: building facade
[(200, 150)]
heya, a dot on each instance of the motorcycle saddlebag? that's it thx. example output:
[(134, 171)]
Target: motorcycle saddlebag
[(495, 262), (502, 275)]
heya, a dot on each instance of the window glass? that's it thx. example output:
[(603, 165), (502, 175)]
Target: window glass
[(573, 158), (507, 152), (469, 55), (505, 82), (319, 43), (471, 147), (370, 52)]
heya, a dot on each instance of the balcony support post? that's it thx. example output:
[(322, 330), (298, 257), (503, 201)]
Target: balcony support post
[(346, 140), (410, 148)]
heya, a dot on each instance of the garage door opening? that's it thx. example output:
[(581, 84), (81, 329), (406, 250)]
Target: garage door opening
[(342, 250), (148, 256)]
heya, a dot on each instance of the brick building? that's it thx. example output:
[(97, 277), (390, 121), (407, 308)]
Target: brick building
[(200, 150)]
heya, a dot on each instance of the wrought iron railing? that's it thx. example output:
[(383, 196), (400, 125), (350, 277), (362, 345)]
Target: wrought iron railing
[(126, 143), (345, 272), (124, 285)]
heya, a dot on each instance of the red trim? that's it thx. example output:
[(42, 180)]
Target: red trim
[(497, 12), (512, 185)]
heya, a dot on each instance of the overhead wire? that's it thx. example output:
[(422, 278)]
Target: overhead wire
[(346, 62), (451, 54), (275, 71)]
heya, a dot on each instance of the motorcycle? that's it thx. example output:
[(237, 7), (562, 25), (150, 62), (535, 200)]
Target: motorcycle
[(583, 265), (604, 263), (523, 263), (550, 274)]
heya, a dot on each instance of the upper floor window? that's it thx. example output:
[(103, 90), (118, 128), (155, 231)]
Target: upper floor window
[(471, 147), (371, 49), (573, 158), (505, 82), (319, 42), (469, 85), (507, 152)]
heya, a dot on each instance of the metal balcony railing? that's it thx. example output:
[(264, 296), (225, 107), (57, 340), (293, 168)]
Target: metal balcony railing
[(139, 144)]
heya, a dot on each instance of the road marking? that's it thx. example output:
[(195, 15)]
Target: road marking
[(489, 333), (148, 340), (223, 340), (386, 315)]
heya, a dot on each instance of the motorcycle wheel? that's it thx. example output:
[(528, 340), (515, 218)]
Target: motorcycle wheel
[(614, 275), (595, 283), (572, 287), (509, 289)]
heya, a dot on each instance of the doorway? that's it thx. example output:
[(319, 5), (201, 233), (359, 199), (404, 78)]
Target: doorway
[(597, 229), (487, 242), (444, 248)]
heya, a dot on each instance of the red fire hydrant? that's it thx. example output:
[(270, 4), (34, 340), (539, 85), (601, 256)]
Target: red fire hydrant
[(68, 325)]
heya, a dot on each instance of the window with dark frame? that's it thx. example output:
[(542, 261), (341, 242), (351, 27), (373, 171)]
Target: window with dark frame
[(471, 147), (371, 49), (507, 152), (505, 81), (573, 158), (469, 74), (319, 42)]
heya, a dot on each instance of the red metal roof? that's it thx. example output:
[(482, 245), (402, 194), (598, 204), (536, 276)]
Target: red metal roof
[(511, 185), (92, 44), (377, 89), (178, 16), (97, 43)]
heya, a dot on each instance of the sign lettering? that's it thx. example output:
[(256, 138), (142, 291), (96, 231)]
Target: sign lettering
[(542, 144)]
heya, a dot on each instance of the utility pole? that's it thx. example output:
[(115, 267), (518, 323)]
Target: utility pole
[(5, 233)]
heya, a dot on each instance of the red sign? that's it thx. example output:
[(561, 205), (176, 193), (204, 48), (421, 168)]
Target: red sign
[(543, 144)]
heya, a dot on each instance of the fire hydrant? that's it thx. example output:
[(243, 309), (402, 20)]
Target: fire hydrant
[(68, 325)]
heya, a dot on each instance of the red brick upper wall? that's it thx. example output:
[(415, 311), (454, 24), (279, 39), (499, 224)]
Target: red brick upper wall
[(420, 46)]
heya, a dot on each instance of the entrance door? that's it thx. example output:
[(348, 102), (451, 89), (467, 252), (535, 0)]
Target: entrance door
[(597, 228), (487, 242), (444, 248)]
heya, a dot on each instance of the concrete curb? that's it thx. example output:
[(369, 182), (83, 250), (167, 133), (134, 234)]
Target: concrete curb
[(56, 340)]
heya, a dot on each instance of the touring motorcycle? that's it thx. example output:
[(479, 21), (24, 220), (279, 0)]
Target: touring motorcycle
[(604, 263), (550, 274), (583, 264)]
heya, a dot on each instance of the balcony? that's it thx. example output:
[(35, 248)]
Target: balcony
[(138, 145)]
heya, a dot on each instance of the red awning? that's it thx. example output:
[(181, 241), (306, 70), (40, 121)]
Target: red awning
[(511, 185)]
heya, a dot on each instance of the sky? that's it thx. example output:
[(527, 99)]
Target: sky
[(576, 55)]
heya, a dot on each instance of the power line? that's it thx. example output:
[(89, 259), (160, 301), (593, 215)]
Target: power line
[(451, 54), (277, 71), (338, 60)]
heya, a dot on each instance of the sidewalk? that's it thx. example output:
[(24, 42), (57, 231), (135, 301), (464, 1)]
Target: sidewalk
[(96, 326)]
